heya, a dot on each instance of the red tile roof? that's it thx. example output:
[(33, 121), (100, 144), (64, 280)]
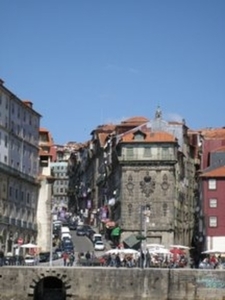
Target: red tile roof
[(43, 130), (218, 172), (213, 133), (138, 120), (220, 149), (150, 137)]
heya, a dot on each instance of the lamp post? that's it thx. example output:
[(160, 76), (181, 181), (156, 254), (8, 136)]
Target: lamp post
[(51, 233)]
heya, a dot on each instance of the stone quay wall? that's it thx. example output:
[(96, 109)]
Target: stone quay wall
[(20, 283)]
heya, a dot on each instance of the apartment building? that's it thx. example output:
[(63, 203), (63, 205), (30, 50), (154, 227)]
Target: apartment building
[(19, 150)]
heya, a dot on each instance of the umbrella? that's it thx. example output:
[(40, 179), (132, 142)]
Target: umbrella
[(213, 251), (128, 251), (29, 246), (160, 251), (113, 251), (122, 251), (155, 246), (180, 247), (177, 251)]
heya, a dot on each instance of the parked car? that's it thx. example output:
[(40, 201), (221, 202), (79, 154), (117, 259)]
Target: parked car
[(68, 249), (73, 225), (65, 236), (59, 252), (96, 237), (30, 260), (90, 234), (99, 246), (44, 256), (81, 230)]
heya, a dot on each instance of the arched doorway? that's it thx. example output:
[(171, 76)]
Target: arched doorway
[(50, 288)]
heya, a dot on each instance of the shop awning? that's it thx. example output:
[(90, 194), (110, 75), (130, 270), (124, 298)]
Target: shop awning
[(116, 231), (131, 242)]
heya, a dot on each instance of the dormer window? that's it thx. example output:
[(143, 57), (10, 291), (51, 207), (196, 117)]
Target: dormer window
[(139, 136)]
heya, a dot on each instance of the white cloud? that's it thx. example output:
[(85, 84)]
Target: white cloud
[(174, 117)]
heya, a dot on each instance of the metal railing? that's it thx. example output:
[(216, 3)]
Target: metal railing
[(142, 157), (11, 171)]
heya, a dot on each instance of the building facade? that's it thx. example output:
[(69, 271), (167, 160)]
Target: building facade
[(140, 175), (45, 212), (59, 167), (212, 179), (19, 132)]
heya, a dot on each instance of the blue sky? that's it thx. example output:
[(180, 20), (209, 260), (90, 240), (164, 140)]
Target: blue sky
[(88, 62)]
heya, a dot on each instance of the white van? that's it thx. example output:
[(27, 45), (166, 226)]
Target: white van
[(65, 229), (65, 235)]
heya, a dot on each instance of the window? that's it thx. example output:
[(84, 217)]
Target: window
[(212, 184), (130, 152), (213, 203), (139, 136), (147, 152), (10, 191), (165, 151), (212, 221), (6, 141), (12, 108), (28, 198)]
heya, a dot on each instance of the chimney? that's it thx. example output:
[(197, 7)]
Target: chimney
[(28, 103), (1, 82)]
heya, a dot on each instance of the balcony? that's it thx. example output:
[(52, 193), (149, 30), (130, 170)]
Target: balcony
[(142, 158), (14, 172), (4, 220)]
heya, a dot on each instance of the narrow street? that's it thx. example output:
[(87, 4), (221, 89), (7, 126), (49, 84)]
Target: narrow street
[(81, 243)]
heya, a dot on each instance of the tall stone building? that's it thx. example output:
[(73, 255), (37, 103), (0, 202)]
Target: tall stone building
[(140, 175), (46, 180), (19, 133)]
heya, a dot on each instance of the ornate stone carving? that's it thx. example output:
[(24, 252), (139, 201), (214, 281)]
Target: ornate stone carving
[(165, 184), (130, 185), (147, 185)]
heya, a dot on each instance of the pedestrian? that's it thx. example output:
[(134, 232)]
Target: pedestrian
[(117, 260), (65, 258), (71, 259), (1, 258), (88, 257)]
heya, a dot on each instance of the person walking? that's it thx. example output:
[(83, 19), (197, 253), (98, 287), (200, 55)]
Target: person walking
[(1, 258), (88, 257), (71, 259), (65, 258)]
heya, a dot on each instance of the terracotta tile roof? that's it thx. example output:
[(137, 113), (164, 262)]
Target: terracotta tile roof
[(213, 133), (218, 172), (220, 149), (102, 138), (104, 128), (139, 120), (150, 137), (44, 153), (43, 130)]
